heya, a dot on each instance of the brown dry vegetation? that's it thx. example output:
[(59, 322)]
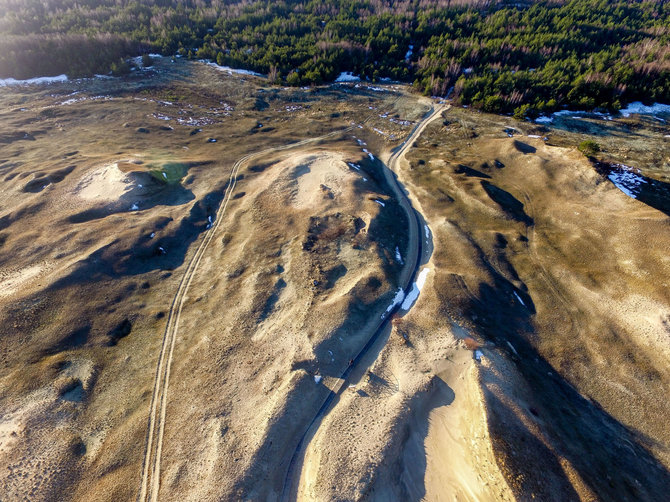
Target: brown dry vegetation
[(539, 266), (563, 278), (94, 244)]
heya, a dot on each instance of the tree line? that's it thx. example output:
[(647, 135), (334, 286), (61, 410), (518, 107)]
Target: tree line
[(523, 58)]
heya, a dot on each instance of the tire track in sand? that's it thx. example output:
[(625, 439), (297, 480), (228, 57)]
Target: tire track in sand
[(151, 465)]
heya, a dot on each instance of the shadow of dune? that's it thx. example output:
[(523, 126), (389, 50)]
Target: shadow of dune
[(282, 463), (144, 254), (652, 192), (510, 204), (611, 459), (524, 148), (147, 193)]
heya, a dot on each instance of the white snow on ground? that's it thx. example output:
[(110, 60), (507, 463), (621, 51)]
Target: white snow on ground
[(397, 300), (347, 76), (408, 54), (416, 289), (398, 256), (427, 230), (478, 355), (230, 70), (152, 235), (639, 108), (317, 378), (4, 82), (519, 298), (628, 182), (354, 166), (361, 142), (513, 349), (573, 114), (134, 207), (372, 157), (380, 202), (378, 131), (534, 136)]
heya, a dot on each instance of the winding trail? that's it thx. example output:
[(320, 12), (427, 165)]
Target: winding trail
[(151, 465), (412, 264)]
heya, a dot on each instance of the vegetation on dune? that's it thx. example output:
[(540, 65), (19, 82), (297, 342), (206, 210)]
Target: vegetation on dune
[(521, 58), (589, 147)]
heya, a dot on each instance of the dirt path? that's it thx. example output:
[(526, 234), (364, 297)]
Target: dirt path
[(151, 470), (413, 262)]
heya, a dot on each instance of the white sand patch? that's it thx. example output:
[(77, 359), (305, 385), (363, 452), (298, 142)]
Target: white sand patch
[(318, 176), (103, 183), (12, 281)]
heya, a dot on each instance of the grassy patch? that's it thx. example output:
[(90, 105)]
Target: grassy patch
[(170, 173)]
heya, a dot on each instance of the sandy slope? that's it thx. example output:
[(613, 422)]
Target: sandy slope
[(559, 287), (412, 424), (91, 256)]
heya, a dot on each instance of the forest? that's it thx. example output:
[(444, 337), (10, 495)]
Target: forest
[(522, 58)]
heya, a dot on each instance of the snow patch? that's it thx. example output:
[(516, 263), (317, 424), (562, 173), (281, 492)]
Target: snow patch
[(347, 76), (408, 54), (519, 298), (638, 108), (427, 230), (317, 379), (628, 181), (416, 289), (397, 300), (230, 70), (33, 81), (380, 202), (398, 256)]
